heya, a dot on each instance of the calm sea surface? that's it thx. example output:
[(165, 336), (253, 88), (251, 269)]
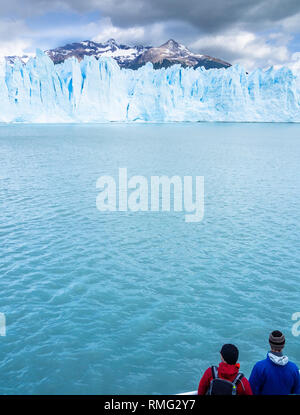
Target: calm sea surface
[(124, 302)]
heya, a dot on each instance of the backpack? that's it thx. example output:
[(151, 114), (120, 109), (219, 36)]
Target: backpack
[(220, 386)]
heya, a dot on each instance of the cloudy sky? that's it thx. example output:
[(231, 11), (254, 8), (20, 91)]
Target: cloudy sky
[(254, 33)]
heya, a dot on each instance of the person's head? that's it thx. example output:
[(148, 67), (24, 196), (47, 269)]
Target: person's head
[(229, 354), (277, 341)]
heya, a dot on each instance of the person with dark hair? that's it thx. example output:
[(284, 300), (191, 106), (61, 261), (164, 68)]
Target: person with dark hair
[(275, 375), (226, 378)]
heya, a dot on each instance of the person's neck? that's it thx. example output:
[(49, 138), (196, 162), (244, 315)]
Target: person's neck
[(276, 352)]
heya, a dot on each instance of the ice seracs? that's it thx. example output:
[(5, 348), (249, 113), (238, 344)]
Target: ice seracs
[(98, 90)]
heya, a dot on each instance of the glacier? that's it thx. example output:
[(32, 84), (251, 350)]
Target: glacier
[(100, 91)]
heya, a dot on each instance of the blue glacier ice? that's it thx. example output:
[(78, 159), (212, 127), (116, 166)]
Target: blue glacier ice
[(99, 91)]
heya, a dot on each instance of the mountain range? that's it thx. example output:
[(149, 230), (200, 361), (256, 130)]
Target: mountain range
[(133, 57)]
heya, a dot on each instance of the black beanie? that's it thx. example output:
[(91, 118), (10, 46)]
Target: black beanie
[(277, 340), (230, 353)]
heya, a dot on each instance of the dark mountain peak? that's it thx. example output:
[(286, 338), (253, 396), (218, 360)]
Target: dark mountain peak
[(111, 42), (171, 43)]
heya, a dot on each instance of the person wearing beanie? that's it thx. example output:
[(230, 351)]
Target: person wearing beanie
[(275, 375), (228, 369)]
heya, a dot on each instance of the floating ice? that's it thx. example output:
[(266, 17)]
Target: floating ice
[(100, 91)]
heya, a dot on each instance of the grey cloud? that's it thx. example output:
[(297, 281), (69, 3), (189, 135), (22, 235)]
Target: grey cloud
[(191, 22), (208, 16)]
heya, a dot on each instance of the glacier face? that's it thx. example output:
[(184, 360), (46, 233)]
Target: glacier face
[(100, 91)]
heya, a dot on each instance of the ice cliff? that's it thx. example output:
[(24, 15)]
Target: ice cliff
[(99, 91)]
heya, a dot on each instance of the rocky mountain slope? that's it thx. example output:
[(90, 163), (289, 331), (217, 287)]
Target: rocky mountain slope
[(132, 57), (123, 54), (171, 53)]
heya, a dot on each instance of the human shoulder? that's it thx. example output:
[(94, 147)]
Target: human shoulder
[(261, 364), (207, 374), (208, 371), (293, 366)]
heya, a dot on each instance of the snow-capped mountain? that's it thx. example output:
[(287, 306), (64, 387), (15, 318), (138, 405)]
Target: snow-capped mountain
[(123, 54), (172, 52), (132, 57)]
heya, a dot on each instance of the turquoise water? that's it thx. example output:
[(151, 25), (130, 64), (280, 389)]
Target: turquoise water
[(141, 302)]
